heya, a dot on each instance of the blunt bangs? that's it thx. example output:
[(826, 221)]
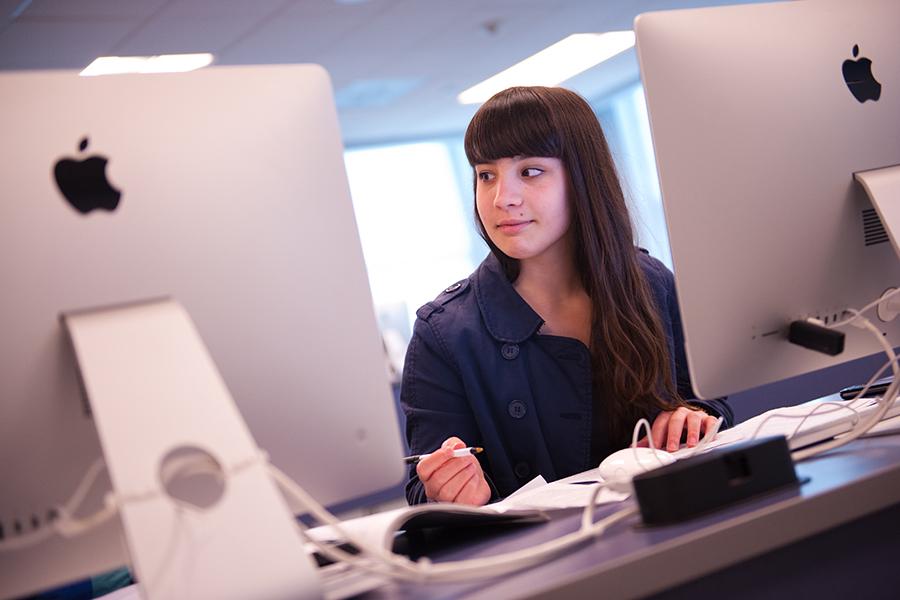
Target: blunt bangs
[(514, 122)]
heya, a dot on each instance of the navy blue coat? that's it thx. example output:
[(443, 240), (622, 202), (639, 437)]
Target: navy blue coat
[(477, 368)]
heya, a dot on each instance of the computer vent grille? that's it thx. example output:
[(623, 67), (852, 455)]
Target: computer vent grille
[(873, 228)]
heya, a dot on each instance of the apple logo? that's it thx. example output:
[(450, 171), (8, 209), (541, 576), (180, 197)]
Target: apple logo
[(859, 78), (84, 183)]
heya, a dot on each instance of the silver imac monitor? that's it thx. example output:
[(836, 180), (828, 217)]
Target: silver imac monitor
[(760, 117), (224, 189)]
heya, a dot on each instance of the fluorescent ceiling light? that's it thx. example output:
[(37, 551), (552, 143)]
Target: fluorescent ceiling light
[(164, 63), (554, 64)]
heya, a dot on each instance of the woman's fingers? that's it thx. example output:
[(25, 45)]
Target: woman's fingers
[(670, 426), (659, 428), (453, 479), (694, 422), (676, 428)]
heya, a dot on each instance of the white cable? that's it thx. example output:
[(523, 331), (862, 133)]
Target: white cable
[(834, 405), (26, 540), (861, 395), (65, 524), (372, 558), (884, 403), (854, 314), (375, 559), (643, 423), (382, 561), (859, 427), (310, 505), (499, 565), (190, 465), (816, 409), (708, 436), (587, 517), (623, 484), (85, 486), (70, 526), (850, 405)]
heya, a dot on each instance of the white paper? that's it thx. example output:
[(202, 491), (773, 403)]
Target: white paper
[(571, 492), (535, 483)]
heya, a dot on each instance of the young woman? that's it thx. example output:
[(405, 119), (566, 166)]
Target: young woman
[(566, 334)]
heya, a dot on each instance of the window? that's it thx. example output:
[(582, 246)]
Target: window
[(627, 127), (416, 230)]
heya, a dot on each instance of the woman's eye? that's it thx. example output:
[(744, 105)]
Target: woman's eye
[(485, 176), (531, 172)]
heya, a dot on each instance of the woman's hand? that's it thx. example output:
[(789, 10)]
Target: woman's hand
[(669, 426), (449, 479)]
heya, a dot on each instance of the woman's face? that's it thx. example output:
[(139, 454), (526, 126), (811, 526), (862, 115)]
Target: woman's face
[(523, 205)]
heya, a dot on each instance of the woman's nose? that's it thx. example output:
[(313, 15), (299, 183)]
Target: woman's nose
[(507, 192)]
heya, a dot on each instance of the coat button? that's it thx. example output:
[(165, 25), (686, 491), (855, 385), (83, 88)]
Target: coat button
[(517, 409), (522, 470), (509, 351), (453, 287)]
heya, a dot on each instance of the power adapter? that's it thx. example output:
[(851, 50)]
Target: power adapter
[(713, 480), (810, 334)]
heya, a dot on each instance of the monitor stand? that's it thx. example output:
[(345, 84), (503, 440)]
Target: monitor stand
[(883, 188), (155, 393)]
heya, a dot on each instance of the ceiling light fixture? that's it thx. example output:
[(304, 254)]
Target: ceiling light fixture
[(554, 64), (163, 63)]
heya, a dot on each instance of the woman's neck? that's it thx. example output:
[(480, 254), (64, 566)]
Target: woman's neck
[(553, 288), (549, 281)]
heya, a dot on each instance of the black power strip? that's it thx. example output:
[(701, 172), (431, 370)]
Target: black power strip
[(713, 480)]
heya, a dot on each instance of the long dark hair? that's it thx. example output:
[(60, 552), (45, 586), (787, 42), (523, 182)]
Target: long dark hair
[(629, 350)]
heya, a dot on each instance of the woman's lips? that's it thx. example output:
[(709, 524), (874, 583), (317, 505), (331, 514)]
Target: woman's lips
[(513, 226)]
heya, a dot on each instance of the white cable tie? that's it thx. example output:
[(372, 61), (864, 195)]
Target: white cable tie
[(62, 525)]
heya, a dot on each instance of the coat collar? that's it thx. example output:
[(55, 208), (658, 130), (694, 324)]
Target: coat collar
[(506, 315)]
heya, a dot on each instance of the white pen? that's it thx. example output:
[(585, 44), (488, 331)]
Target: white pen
[(411, 460)]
